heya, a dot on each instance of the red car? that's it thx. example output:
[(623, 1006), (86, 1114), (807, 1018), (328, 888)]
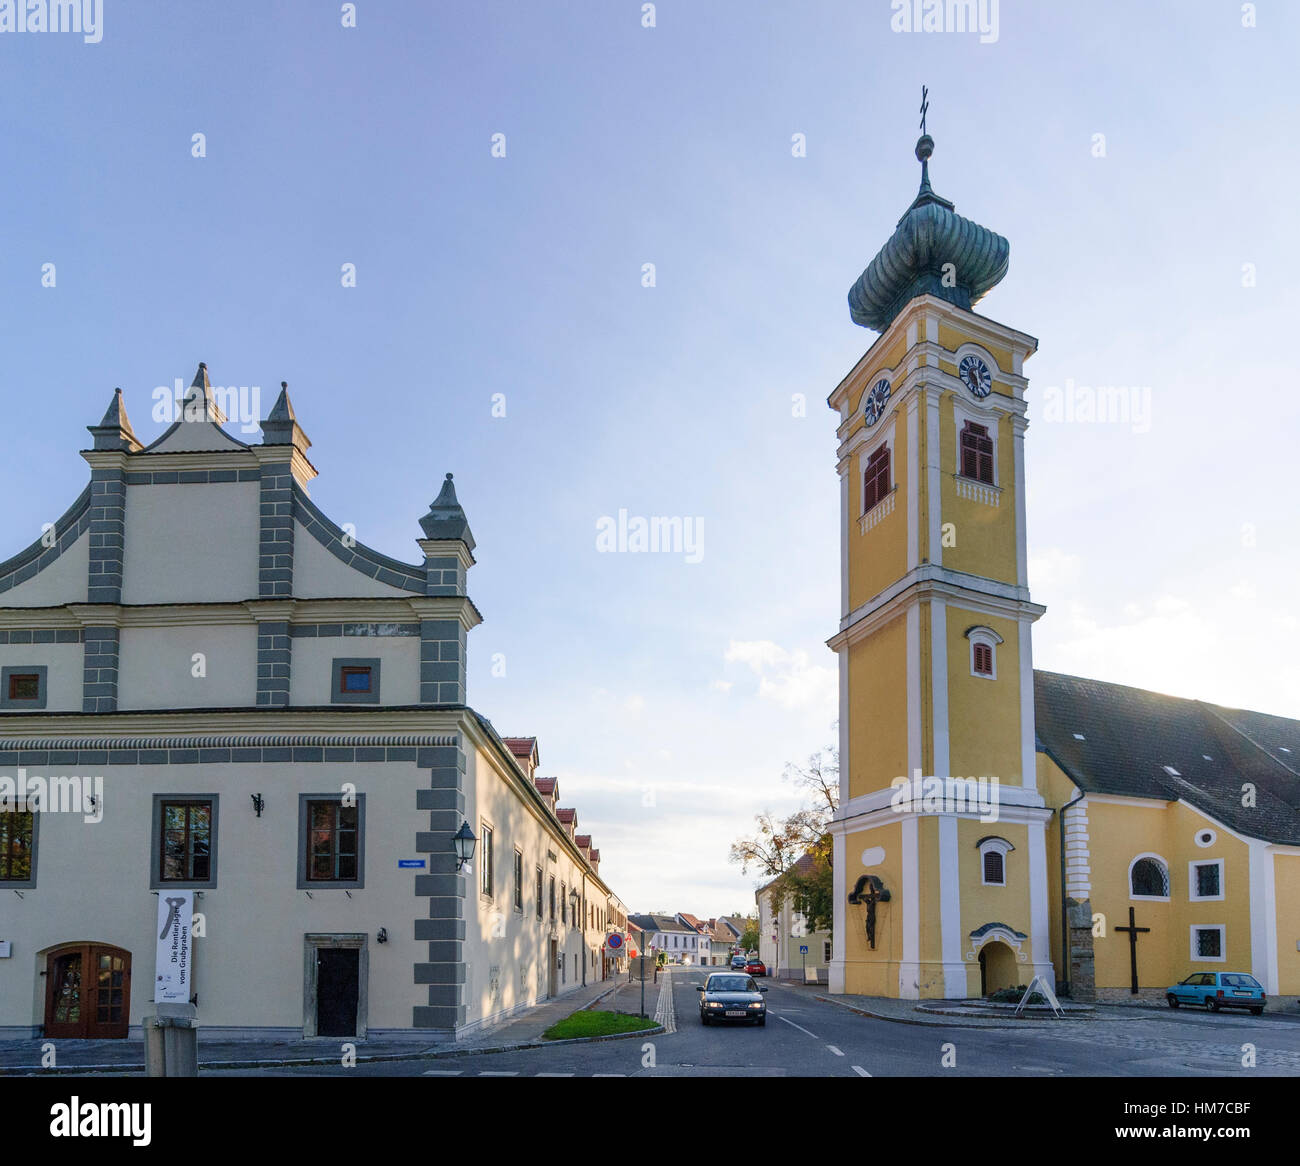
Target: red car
[(756, 968)]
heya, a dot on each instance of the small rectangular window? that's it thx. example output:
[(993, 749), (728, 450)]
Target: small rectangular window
[(977, 453), (539, 892), (875, 479), (23, 687), (485, 860), (185, 842), (552, 893), (17, 845), (994, 873), (331, 840), (519, 881), (983, 659), (354, 679), (1209, 943)]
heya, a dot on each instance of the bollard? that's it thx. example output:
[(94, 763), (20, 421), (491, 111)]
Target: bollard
[(171, 1041)]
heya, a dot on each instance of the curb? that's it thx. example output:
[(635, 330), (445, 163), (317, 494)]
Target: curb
[(979, 1021), (362, 1059)]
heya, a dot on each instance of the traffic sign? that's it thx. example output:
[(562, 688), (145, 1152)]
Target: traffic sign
[(614, 941), (803, 950)]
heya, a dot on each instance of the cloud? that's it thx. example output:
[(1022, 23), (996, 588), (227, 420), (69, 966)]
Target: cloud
[(790, 679)]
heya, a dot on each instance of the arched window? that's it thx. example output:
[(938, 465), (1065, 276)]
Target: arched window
[(982, 660), (1149, 878), (993, 860), (983, 652), (977, 453), (875, 479)]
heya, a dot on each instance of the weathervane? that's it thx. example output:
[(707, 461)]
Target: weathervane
[(925, 105)]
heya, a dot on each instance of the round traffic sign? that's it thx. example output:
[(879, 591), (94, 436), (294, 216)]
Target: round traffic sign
[(614, 941)]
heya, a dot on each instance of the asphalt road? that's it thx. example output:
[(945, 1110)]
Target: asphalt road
[(806, 1037)]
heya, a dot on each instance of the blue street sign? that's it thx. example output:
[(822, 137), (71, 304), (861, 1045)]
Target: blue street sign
[(803, 950), (414, 863)]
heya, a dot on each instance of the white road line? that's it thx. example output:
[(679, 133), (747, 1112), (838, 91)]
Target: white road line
[(860, 1071), (492, 1074), (609, 1074), (835, 1050), (800, 1027), (555, 1074), (442, 1072)]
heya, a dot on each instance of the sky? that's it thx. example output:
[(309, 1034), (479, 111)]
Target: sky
[(1140, 158)]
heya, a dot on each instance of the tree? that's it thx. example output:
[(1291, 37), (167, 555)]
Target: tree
[(775, 848), (749, 941)]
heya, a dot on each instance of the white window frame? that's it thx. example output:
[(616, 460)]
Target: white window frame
[(1222, 957), (486, 854), (967, 408), (883, 436), (982, 634), (1169, 878), (1213, 837), (1191, 881), (1000, 846)]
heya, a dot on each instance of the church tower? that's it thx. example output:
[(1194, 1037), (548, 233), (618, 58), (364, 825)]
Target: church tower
[(941, 884)]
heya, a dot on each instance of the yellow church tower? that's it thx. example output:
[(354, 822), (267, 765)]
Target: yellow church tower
[(941, 885)]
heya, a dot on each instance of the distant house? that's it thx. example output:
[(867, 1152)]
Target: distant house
[(669, 934), (782, 934)]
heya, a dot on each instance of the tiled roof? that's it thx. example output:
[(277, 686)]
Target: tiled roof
[(658, 923), (1111, 739), (583, 840), (520, 746), (803, 866), (566, 815), (545, 785)]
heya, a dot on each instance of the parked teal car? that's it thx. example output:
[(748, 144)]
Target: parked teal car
[(1217, 990)]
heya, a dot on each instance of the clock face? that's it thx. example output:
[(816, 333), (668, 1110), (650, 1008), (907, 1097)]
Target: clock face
[(874, 404), (975, 373)]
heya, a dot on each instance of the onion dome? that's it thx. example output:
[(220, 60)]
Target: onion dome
[(928, 238)]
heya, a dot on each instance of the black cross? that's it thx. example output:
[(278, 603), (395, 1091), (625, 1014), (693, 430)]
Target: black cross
[(925, 105), (1133, 930), (870, 890)]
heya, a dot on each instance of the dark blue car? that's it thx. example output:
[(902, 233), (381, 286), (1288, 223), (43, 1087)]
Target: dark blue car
[(1215, 990)]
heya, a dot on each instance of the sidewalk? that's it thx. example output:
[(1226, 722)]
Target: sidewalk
[(23, 1057)]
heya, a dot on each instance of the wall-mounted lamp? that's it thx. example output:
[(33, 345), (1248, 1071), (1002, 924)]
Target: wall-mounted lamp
[(463, 843), (381, 936), (258, 804)]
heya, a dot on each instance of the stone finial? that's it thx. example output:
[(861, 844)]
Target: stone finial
[(281, 425), (114, 431), (446, 518), (199, 404)]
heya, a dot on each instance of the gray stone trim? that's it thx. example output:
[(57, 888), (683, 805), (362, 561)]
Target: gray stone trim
[(273, 663), (300, 631), (42, 688), (416, 744), (156, 881), (70, 526), (444, 575), (444, 888), (442, 661), (42, 636), (107, 535), (337, 696), (183, 477), (275, 548), (361, 558), (99, 669), (306, 884)]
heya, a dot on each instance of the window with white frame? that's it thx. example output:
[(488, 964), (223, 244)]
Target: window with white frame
[(1148, 877), (1205, 879), (984, 643), (1209, 942), (993, 860)]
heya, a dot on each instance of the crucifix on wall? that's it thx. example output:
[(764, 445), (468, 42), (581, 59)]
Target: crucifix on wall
[(869, 890), (1133, 930)]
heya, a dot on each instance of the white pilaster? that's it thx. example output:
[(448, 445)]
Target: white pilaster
[(913, 480), (1263, 917), (939, 685), (934, 478), (1039, 937), (1028, 754), (839, 896), (954, 970), (909, 971)]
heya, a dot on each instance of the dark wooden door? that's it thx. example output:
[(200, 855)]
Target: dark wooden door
[(88, 992), (338, 982)]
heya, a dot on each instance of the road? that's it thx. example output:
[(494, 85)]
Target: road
[(806, 1037)]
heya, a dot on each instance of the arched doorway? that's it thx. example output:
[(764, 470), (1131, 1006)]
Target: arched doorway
[(87, 991), (998, 968)]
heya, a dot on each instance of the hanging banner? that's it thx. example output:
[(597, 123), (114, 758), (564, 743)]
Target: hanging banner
[(172, 967)]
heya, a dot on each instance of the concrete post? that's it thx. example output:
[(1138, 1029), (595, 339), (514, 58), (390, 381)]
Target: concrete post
[(171, 1041)]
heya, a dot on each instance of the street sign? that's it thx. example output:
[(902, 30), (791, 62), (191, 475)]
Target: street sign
[(614, 942), (411, 863), (172, 962), (803, 949)]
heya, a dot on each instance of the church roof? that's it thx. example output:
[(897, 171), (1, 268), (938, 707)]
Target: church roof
[(929, 237), (1112, 739)]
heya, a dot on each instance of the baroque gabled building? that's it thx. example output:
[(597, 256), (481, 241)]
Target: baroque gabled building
[(249, 706)]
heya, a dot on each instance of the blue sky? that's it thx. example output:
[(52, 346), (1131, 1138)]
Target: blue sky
[(668, 695)]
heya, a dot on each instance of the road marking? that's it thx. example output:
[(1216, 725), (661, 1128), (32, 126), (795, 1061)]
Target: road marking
[(494, 1074), (555, 1074), (608, 1074), (835, 1050), (800, 1027), (442, 1072), (860, 1071)]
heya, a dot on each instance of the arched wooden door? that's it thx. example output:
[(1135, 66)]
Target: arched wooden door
[(87, 991)]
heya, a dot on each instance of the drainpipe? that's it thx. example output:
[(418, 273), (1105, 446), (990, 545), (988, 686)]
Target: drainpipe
[(1065, 917)]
